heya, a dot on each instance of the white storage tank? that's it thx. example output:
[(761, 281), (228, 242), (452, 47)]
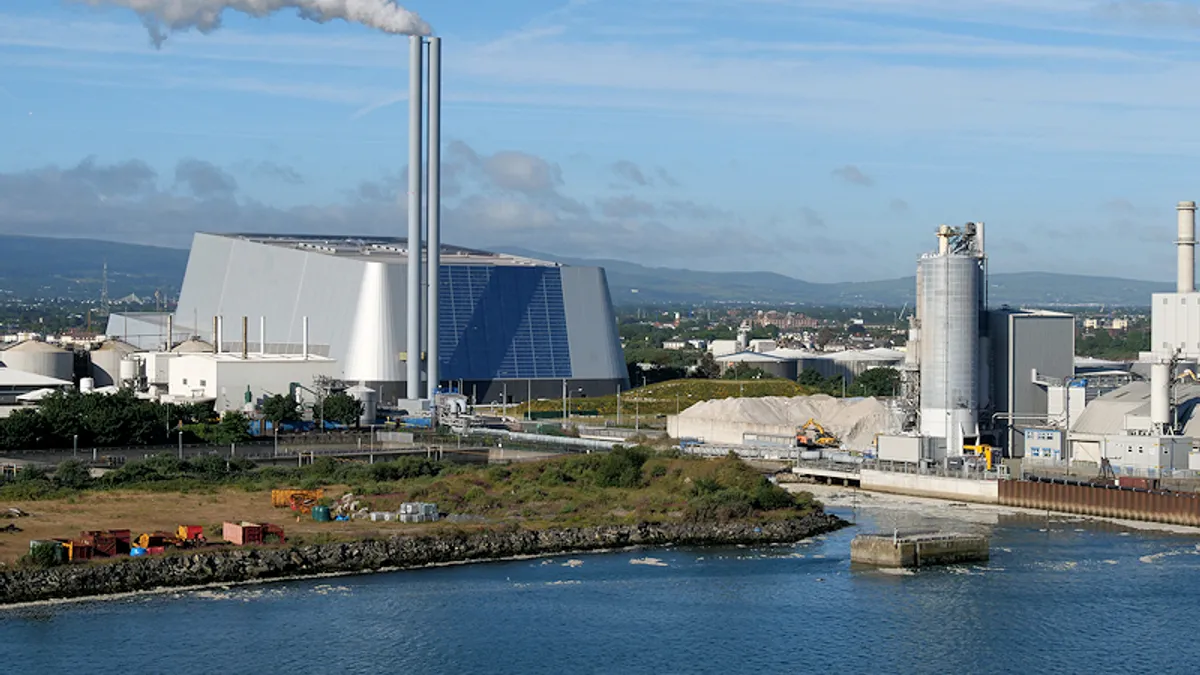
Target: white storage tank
[(41, 358), (952, 292), (130, 371), (107, 362), (370, 400), (87, 385)]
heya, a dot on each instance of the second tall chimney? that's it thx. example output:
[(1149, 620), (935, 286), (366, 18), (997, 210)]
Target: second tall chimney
[(413, 342), (434, 208), (1186, 247)]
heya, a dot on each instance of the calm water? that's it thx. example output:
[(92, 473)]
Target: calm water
[(1057, 597)]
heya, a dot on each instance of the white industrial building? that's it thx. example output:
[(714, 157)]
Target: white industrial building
[(17, 386), (231, 380), (1151, 426), (1118, 427)]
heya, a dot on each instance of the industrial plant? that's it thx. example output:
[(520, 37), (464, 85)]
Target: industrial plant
[(981, 385)]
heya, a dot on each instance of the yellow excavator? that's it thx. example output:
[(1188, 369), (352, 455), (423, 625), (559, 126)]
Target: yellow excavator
[(813, 435), (981, 449)]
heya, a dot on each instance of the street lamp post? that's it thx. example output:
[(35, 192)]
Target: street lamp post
[(75, 451), (181, 444)]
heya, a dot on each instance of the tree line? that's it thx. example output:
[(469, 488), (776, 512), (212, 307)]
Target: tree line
[(92, 420)]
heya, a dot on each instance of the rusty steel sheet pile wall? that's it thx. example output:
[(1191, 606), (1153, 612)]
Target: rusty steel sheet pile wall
[(1164, 507)]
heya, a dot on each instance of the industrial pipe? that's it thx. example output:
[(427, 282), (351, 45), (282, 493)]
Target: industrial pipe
[(1186, 247), (170, 331), (413, 344), (434, 207), (304, 337), (215, 331), (245, 338)]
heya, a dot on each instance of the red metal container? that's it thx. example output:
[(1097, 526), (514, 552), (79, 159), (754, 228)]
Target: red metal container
[(246, 533), (243, 533), (78, 550), (156, 550), (1135, 482)]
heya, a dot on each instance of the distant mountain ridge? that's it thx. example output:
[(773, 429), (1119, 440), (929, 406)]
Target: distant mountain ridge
[(45, 267), (73, 268), (631, 283)]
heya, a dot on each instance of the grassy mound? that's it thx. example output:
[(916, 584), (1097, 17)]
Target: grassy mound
[(664, 397)]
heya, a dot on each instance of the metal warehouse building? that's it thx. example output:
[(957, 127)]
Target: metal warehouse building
[(505, 322)]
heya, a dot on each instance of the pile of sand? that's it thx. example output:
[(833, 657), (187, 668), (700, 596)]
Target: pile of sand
[(855, 421)]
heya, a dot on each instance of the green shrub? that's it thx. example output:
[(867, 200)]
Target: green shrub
[(658, 471), (72, 474), (769, 497), (621, 468), (720, 506), (705, 486)]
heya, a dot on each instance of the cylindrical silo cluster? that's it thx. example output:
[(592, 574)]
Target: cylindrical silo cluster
[(41, 358), (107, 360), (951, 288)]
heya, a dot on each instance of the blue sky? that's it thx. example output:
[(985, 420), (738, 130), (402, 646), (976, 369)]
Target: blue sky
[(825, 139)]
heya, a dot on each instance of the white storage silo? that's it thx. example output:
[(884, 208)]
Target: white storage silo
[(106, 361), (130, 371), (951, 284), (34, 356), (370, 402)]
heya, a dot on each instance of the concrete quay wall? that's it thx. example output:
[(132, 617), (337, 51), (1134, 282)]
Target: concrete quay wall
[(883, 551), (938, 487)]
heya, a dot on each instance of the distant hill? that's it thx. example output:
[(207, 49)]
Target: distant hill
[(631, 283), (43, 267), (72, 268)]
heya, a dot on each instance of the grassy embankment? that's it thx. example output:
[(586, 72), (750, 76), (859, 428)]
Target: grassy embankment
[(664, 398), (623, 487)]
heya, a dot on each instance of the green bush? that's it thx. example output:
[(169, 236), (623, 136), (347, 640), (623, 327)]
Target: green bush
[(721, 506), (770, 497), (32, 490), (621, 468), (73, 475)]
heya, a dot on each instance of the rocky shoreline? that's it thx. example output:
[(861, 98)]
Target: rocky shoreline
[(368, 555)]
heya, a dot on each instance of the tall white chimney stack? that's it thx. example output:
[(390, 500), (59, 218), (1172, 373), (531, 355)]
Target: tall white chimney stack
[(413, 342), (1186, 247), (433, 204)]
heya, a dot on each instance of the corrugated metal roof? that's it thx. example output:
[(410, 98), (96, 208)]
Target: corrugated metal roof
[(751, 357), (381, 249), (876, 354), (10, 377), (1106, 414)]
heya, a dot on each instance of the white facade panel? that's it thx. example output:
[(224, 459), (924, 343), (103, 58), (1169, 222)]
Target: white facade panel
[(899, 448), (723, 347), (1175, 323), (225, 378)]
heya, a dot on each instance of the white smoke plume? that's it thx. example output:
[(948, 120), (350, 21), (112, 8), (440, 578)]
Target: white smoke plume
[(163, 17)]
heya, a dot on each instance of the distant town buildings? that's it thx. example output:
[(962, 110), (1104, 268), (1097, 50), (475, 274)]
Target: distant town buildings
[(785, 321)]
